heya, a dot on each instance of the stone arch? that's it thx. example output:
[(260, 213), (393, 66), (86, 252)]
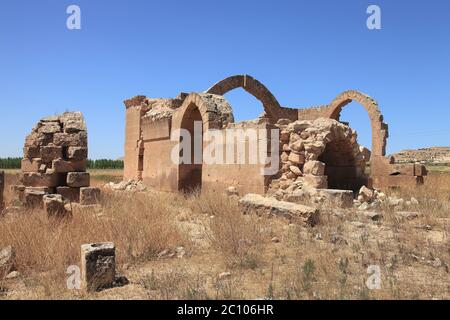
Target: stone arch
[(379, 128), (271, 106), (215, 113)]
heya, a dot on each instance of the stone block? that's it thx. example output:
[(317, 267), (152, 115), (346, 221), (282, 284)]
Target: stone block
[(269, 206), (33, 197), (49, 153), (18, 191), (78, 179), (70, 140), (318, 182), (63, 166), (49, 127), (337, 198), (54, 205), (31, 165), (77, 153), (34, 179), (69, 194), (296, 158), (98, 266), (89, 196), (315, 168), (31, 152)]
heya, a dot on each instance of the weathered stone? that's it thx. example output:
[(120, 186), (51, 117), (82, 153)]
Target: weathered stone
[(98, 266), (69, 194), (77, 153), (315, 168), (73, 122), (297, 146), (317, 182), (33, 196), (296, 170), (337, 198), (54, 205), (7, 261), (31, 152), (269, 206), (63, 166), (89, 196), (49, 153), (70, 140), (296, 158), (366, 193), (50, 127), (35, 179), (78, 179), (31, 165), (2, 189)]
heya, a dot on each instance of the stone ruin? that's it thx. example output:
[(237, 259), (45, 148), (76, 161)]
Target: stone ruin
[(2, 189), (54, 165), (317, 151)]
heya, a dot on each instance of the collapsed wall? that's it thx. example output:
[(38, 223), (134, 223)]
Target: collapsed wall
[(54, 164), (319, 154)]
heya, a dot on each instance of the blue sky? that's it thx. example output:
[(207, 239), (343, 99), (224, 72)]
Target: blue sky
[(305, 52)]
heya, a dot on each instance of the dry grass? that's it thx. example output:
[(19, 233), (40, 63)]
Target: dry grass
[(328, 261)]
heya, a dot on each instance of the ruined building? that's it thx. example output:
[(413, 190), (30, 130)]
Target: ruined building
[(54, 165), (315, 148)]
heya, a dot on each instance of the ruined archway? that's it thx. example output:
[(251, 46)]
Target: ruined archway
[(271, 106), (379, 128), (212, 112)]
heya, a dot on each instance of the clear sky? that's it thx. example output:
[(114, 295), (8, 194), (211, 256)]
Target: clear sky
[(305, 52)]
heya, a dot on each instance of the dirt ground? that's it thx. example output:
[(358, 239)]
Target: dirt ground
[(200, 246)]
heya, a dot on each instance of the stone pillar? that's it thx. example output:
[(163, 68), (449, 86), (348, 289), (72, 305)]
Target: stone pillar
[(2, 189), (98, 266)]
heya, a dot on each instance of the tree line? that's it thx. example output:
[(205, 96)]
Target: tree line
[(15, 163)]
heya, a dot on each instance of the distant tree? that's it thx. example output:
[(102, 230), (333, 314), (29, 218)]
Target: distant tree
[(10, 163)]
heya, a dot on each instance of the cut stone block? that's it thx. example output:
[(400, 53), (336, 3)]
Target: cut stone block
[(77, 153), (67, 140), (49, 153), (78, 179), (98, 266), (31, 165), (89, 196), (33, 197), (68, 193), (63, 166), (54, 205), (34, 179), (337, 198), (270, 206), (31, 152), (50, 127)]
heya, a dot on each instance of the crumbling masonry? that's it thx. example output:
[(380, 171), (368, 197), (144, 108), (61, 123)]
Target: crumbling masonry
[(54, 165), (316, 149)]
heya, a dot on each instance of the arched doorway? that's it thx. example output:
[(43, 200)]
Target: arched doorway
[(190, 173), (379, 128)]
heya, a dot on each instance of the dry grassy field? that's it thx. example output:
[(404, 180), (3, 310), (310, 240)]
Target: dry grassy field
[(200, 246)]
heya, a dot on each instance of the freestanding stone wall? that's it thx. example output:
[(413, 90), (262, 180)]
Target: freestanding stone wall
[(2, 189), (55, 160)]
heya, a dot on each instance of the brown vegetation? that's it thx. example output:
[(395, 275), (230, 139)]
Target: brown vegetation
[(199, 246)]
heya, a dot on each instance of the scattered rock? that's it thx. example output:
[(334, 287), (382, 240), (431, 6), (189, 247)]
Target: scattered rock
[(374, 216), (13, 275), (275, 240)]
